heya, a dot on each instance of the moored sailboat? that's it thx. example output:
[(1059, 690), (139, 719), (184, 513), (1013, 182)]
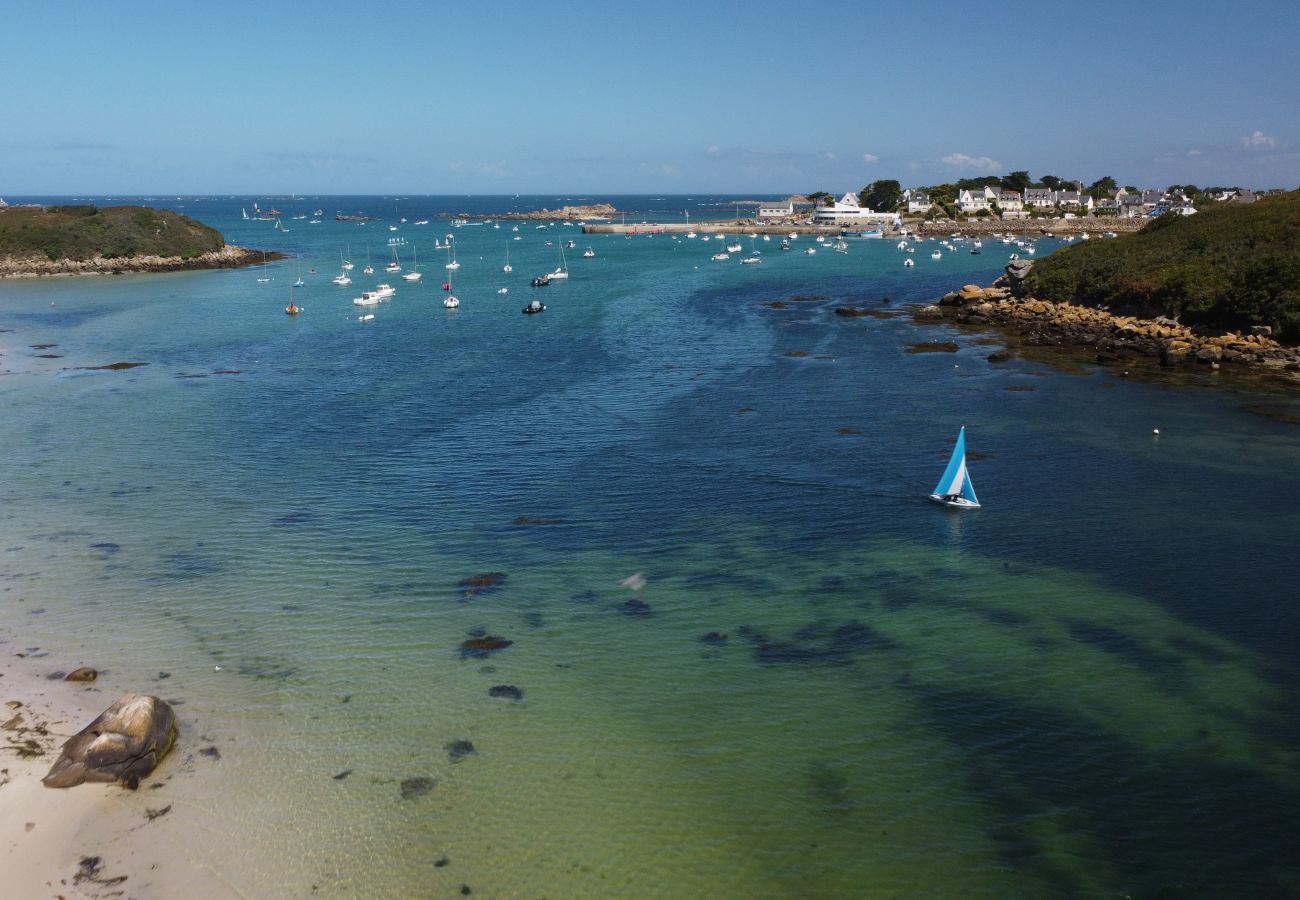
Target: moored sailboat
[(954, 488)]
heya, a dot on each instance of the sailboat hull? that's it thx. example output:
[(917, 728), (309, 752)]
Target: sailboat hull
[(954, 502)]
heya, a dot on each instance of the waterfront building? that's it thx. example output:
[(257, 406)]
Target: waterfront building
[(848, 211), (776, 209), (975, 199), (917, 200)]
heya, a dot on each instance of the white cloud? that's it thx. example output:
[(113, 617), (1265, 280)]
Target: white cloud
[(1258, 139), (829, 157), (1193, 152), (456, 165), (714, 150), (669, 170), (978, 163), (870, 158), (496, 169)]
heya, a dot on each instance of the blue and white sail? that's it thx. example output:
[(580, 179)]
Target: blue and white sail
[(954, 487)]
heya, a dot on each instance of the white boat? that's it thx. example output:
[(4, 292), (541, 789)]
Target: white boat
[(347, 263), (452, 265), (393, 266), (908, 263), (840, 246), (936, 255), (369, 269), (690, 234), (385, 291), (721, 256), (507, 267), (503, 290), (588, 253), (415, 273), (299, 282), (810, 251), (367, 298), (733, 248), (954, 488), (562, 270), (450, 302), (751, 260), (342, 278)]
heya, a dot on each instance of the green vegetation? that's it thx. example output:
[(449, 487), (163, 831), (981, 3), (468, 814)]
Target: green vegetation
[(83, 232), (882, 196), (1230, 266)]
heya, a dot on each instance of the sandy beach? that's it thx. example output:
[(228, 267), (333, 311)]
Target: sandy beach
[(94, 840)]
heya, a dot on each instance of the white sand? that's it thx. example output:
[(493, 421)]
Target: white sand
[(45, 832)]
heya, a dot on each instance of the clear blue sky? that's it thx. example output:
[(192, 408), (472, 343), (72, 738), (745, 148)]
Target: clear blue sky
[(646, 97)]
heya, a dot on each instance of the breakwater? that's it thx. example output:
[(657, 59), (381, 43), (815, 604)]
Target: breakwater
[(1091, 225)]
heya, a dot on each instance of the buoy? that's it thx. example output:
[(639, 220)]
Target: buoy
[(1155, 431)]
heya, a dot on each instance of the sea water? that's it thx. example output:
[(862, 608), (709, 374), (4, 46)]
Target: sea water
[(828, 686)]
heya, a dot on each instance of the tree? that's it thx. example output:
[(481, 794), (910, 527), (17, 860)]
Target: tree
[(1051, 182), (943, 194), (821, 198), (1016, 181), (1102, 187), (882, 196)]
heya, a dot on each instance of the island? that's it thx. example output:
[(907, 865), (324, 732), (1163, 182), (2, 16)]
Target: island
[(87, 240), (1220, 287), (567, 213)]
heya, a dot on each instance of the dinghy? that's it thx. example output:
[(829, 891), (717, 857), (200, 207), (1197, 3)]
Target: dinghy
[(954, 488)]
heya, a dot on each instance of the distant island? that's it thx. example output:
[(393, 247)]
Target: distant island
[(572, 213), (76, 240)]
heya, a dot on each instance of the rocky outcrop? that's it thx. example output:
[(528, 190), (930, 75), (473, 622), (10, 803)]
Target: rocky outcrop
[(1044, 323), (124, 743), (594, 211), (227, 257)]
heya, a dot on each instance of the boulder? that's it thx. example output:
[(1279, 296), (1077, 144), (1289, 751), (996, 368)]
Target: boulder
[(124, 743), (929, 312), (85, 673)]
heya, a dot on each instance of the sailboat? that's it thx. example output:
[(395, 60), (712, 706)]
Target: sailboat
[(414, 274), (507, 267), (450, 301), (754, 257), (369, 269), (347, 263), (293, 308), (264, 278), (452, 265), (393, 266), (299, 282), (954, 488), (563, 270)]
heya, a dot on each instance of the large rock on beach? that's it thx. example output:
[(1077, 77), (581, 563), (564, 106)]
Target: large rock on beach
[(124, 743)]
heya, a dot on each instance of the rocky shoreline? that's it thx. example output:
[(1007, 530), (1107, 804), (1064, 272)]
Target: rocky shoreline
[(228, 257), (1108, 338)]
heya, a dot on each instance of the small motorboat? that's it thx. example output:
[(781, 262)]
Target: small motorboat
[(908, 263), (936, 255), (451, 302), (588, 253), (534, 307), (541, 281), (503, 290)]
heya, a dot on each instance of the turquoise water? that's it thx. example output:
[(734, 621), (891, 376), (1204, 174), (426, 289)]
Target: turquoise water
[(1085, 688)]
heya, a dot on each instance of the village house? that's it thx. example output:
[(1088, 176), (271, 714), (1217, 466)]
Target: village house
[(973, 200), (776, 209), (1040, 198), (917, 200)]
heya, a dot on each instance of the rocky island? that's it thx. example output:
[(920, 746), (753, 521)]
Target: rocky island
[(568, 213), (89, 240)]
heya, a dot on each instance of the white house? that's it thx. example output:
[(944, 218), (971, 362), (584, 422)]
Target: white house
[(1011, 201), (971, 201), (917, 200), (776, 209), (1040, 198), (849, 212)]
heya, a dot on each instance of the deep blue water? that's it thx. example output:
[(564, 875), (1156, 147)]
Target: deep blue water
[(1087, 687)]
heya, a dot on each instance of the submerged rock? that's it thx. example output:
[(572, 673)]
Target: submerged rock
[(124, 743), (714, 637), (481, 583), (458, 750), (416, 787), (636, 607), (933, 347), (479, 647), (506, 692)]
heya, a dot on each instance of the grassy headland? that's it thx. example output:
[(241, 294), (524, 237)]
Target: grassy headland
[(112, 232), (1227, 267), (87, 240)]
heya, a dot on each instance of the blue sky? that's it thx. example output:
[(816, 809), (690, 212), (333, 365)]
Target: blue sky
[(650, 97)]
